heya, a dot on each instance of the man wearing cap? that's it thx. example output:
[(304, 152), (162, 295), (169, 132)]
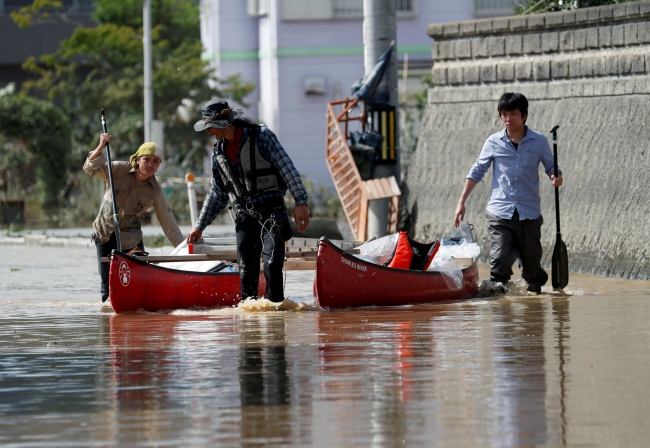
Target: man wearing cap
[(136, 190), (252, 171)]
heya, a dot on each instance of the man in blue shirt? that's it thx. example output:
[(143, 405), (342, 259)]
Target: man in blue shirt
[(513, 211)]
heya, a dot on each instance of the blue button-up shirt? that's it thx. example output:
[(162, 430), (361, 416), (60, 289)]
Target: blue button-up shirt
[(515, 180)]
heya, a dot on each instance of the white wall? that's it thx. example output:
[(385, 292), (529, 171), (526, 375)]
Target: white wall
[(291, 50)]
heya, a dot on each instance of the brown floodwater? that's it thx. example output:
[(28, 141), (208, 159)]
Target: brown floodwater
[(508, 371)]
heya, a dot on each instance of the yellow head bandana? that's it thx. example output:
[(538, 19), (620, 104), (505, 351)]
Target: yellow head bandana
[(146, 149)]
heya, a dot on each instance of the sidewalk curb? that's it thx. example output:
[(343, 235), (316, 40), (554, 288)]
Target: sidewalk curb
[(49, 241)]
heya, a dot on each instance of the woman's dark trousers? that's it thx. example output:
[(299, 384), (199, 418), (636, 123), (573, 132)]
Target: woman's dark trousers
[(104, 250)]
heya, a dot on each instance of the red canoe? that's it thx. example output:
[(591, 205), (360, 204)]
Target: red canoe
[(343, 281), (137, 285)]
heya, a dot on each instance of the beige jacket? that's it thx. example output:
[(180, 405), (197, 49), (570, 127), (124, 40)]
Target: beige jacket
[(132, 199)]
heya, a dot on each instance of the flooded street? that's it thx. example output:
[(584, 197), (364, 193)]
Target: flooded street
[(548, 370)]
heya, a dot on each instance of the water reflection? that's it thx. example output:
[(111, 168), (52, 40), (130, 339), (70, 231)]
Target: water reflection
[(234, 365)]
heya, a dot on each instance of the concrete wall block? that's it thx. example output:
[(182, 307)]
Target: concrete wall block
[(592, 37), (500, 24), (454, 75), (647, 62), (532, 43), (554, 20), (488, 73), (642, 85), (484, 26), (471, 74), (523, 70), (618, 35), (514, 44), (588, 89), (445, 50), (617, 88), (518, 23), (462, 49), (580, 39), (542, 70), (643, 31), (550, 42), (605, 36), (567, 40), (434, 30), (535, 21), (637, 63), (479, 47), (624, 64), (439, 75), (606, 12), (582, 15), (586, 66), (568, 17), (618, 11), (450, 29), (631, 37), (506, 71), (599, 66), (467, 27), (629, 86), (593, 14), (561, 90), (644, 8), (611, 64), (435, 50), (575, 67), (560, 68), (632, 9), (484, 93), (577, 89), (496, 45), (599, 87)]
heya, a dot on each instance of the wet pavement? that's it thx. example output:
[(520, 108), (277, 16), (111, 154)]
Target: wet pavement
[(508, 371)]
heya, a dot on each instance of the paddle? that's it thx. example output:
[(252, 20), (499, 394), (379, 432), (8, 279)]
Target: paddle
[(560, 261), (116, 222)]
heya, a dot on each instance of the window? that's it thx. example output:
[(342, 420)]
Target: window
[(336, 9), (489, 8)]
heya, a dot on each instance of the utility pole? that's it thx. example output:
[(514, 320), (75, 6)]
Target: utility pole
[(379, 30), (148, 88)]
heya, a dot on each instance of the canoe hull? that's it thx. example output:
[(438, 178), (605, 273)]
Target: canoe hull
[(344, 281), (136, 285)]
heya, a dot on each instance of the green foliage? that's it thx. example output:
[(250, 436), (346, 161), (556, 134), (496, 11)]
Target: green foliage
[(102, 67), (537, 6), (39, 9), (35, 142)]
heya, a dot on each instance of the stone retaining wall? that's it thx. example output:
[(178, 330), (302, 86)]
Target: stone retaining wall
[(586, 70)]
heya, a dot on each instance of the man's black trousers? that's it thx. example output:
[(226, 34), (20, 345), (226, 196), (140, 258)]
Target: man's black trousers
[(261, 236), (514, 238)]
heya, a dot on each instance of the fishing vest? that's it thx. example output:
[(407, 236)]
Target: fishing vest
[(412, 255), (254, 174)]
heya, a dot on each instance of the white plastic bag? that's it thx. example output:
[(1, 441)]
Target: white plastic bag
[(449, 250), (378, 251)]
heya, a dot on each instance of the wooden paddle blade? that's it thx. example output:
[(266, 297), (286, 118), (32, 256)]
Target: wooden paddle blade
[(560, 267)]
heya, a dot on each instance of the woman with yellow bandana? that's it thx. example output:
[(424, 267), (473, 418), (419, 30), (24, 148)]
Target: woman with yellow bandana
[(136, 190)]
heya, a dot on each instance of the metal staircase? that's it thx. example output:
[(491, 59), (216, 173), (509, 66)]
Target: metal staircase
[(354, 193)]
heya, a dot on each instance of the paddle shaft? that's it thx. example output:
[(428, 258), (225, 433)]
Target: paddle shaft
[(557, 191), (116, 222)]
